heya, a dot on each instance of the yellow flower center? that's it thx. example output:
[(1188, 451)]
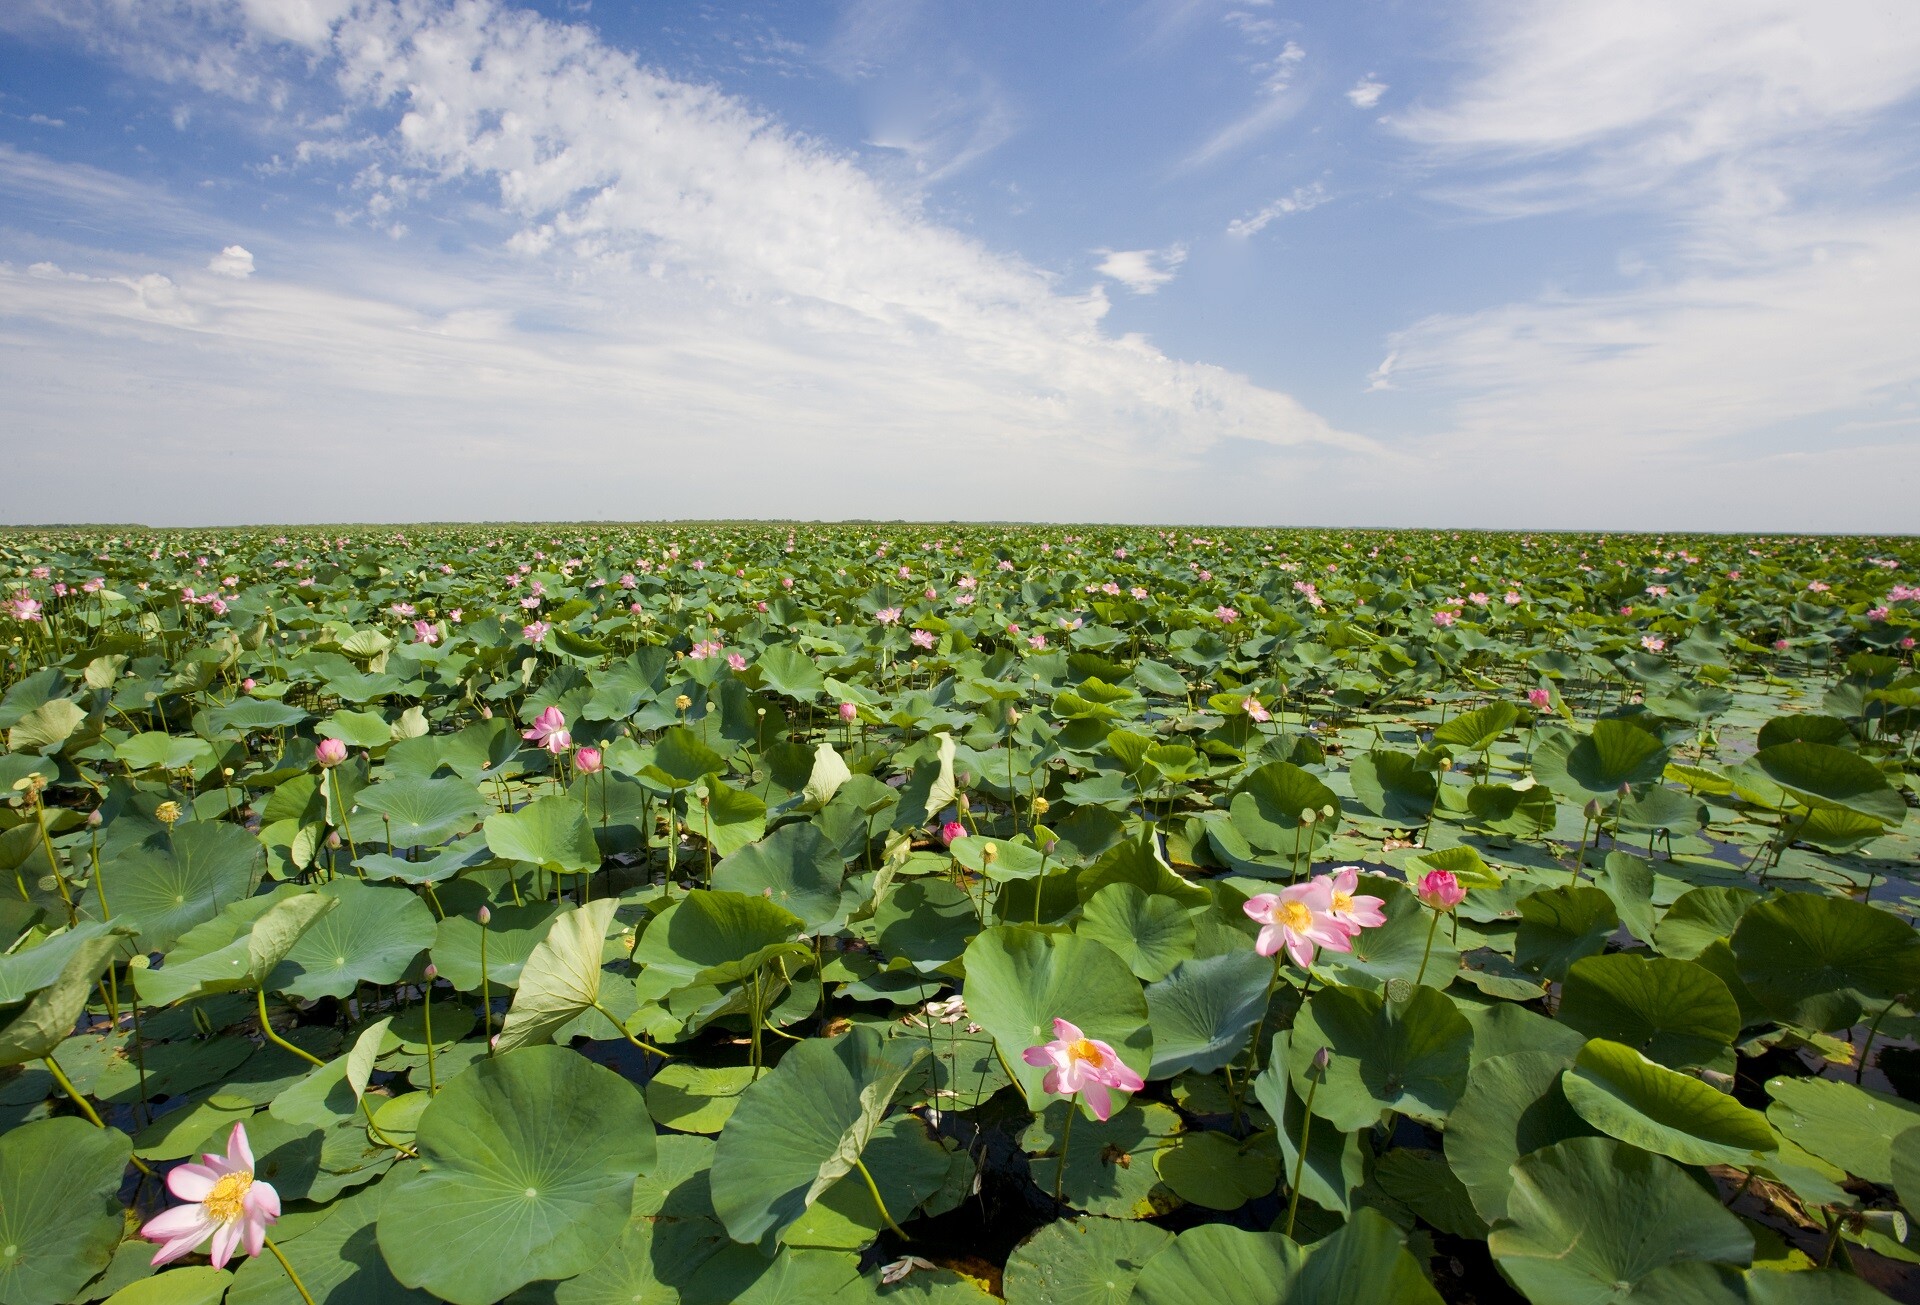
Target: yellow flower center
[(1085, 1050), (1295, 916), (1342, 901), (227, 1201)]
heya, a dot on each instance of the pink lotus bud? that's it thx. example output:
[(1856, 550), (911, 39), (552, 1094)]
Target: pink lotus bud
[(1439, 890), (432, 972), (484, 916), (1540, 698), (848, 712), (330, 753), (588, 761), (246, 685), (952, 832)]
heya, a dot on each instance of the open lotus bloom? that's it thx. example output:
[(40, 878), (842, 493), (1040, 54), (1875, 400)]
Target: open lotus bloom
[(549, 731), (1301, 919), (227, 1203), (1082, 1066), (1356, 912)]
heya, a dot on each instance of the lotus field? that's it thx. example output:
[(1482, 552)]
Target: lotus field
[(712, 913)]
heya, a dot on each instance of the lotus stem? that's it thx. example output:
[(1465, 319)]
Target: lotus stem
[(266, 1027), (879, 1204), (292, 1277), (1860, 1070), (486, 991), (1066, 1140), (1300, 1161), (86, 1107), (1432, 927)]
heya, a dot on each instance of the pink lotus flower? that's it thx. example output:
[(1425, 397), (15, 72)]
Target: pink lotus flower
[(228, 1204), (1037, 642), (1439, 890), (1356, 913), (736, 662), (1445, 617), (887, 615), (534, 631), (1878, 613), (1225, 615), (1818, 586), (1081, 1066), (1251, 705), (1137, 592), (952, 832), (588, 760), (1653, 643), (1477, 599), (23, 608), (1779, 645), (1513, 598), (247, 685), (848, 712), (922, 638), (1656, 591), (1299, 918), (550, 731), (1540, 699), (426, 632), (330, 753)]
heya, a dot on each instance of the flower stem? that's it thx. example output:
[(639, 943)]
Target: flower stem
[(426, 1015), (1300, 1161), (292, 1277), (644, 1046), (486, 992), (1066, 1139), (1426, 955), (1266, 1006), (86, 1107), (879, 1204), (266, 1027)]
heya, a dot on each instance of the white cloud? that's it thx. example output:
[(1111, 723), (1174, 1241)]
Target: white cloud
[(1366, 93), (1301, 199), (672, 278), (1142, 271), (1276, 101), (232, 261), (42, 120)]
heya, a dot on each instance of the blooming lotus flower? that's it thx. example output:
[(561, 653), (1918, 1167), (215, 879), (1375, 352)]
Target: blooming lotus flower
[(736, 662), (1081, 1066), (550, 731), (1653, 643), (1439, 890), (1299, 918), (426, 632), (887, 615), (1225, 615), (1251, 705), (23, 608), (534, 631), (330, 753), (1443, 617), (228, 1204), (922, 638), (1540, 698), (1356, 912)]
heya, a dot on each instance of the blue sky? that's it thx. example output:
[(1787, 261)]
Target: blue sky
[(1504, 262)]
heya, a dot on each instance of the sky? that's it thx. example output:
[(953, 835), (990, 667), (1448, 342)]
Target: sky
[(1621, 264)]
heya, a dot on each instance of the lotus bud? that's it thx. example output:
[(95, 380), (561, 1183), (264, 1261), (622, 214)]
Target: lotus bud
[(848, 712), (94, 818), (333, 840), (1051, 844), (963, 804), (484, 916), (493, 1043), (486, 712), (329, 753), (1041, 806), (1592, 809), (432, 972), (588, 760), (1625, 791), (1321, 1059)]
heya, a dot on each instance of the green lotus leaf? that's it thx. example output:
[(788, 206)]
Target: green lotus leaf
[(740, 1275), (1082, 1262), (190, 1284), (1422, 1181), (927, 921), (1478, 730), (802, 1128), (1674, 1012), (512, 934), (1335, 1166), (527, 1164), (1411, 1056), (1816, 961), (37, 1029), (1821, 775), (697, 1098), (1699, 917), (372, 937), (1364, 1260), (550, 831), (796, 867), (338, 1261), (1628, 880), (785, 669), (1625, 1095), (1558, 926), (1616, 752), (158, 750), (1020, 980), (1593, 1220), (238, 949), (1202, 1013), (1905, 1166), (713, 937), (60, 1214), (171, 882), (1216, 1264), (421, 812), (1845, 1125), (652, 1261), (47, 726), (1267, 808), (682, 758), (1109, 1165), (1215, 1171), (251, 715), (561, 978), (1150, 932), (1393, 786)]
